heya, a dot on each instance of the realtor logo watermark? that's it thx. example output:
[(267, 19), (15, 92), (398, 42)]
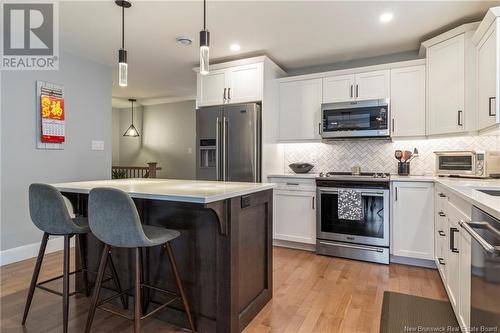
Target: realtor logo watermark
[(30, 37)]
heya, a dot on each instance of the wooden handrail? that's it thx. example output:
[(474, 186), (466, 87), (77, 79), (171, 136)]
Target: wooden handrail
[(135, 171)]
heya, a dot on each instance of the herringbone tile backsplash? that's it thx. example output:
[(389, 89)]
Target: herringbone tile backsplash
[(378, 155)]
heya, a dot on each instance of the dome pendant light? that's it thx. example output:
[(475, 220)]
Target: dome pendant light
[(122, 53), (131, 130), (204, 43)]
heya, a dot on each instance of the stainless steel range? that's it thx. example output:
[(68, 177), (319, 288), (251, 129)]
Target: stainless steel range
[(362, 236)]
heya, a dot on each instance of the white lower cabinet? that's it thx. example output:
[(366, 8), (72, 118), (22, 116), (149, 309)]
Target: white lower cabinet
[(453, 252), (294, 210), (413, 221)]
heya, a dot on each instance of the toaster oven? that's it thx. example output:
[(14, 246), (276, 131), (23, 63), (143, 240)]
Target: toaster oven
[(481, 164)]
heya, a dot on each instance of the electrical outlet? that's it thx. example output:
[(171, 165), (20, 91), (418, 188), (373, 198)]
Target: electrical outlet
[(97, 145)]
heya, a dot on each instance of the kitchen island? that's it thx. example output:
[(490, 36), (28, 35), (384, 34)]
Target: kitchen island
[(224, 253)]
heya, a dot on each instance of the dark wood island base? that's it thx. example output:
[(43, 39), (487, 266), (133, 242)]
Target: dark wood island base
[(224, 257)]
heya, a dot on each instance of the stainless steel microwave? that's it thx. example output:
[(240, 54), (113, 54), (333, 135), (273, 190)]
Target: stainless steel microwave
[(482, 164), (360, 119)]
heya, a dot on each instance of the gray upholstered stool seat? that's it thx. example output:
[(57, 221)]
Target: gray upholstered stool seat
[(159, 235), (113, 219), (53, 214)]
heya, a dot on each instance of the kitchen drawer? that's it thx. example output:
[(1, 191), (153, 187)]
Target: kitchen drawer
[(294, 184)]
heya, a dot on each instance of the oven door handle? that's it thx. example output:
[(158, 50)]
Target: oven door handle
[(358, 247), (493, 250), (364, 192)]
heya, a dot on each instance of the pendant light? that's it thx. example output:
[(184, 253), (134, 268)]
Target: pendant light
[(204, 43), (122, 53), (132, 131)]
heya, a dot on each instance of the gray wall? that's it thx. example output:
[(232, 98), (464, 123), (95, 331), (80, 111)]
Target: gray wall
[(88, 116), (168, 133)]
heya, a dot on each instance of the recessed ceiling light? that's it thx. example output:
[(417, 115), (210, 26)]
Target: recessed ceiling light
[(386, 17), (235, 47), (184, 40)]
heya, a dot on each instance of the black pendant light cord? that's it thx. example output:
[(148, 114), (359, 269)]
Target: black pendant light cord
[(204, 15), (123, 27)]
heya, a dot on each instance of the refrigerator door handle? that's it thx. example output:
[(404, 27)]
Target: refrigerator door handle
[(217, 149), (224, 147), (256, 147)]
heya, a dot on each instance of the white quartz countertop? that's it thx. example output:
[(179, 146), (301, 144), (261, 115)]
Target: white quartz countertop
[(294, 175), (195, 191), (469, 189)]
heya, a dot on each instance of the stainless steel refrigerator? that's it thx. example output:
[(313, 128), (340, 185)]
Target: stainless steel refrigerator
[(228, 143)]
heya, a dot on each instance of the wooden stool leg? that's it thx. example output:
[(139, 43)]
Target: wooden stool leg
[(66, 282), (97, 288), (83, 262), (34, 277), (116, 280), (173, 264), (137, 296)]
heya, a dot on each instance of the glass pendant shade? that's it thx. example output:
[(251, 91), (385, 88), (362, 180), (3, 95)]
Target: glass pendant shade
[(131, 131), (204, 60), (122, 74)]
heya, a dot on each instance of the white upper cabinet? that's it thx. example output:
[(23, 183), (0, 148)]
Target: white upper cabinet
[(487, 39), (413, 220), (408, 101), (446, 86), (356, 87), (211, 88), (245, 83), (238, 84), (372, 85), (338, 88), (300, 110)]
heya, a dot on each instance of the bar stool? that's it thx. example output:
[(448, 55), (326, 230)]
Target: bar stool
[(114, 220), (50, 213)]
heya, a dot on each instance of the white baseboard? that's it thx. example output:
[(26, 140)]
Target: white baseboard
[(29, 251)]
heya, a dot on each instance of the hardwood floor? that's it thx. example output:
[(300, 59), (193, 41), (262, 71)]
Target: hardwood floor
[(311, 294)]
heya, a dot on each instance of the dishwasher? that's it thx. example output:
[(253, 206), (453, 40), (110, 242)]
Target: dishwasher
[(485, 271)]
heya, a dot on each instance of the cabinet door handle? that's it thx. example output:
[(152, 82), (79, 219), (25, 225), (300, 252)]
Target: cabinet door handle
[(395, 194), (351, 90), (393, 124), (320, 129), (225, 89), (452, 240), (313, 202), (490, 113), (441, 214), (357, 91), (441, 233), (229, 93), (441, 261), (442, 195), (459, 120)]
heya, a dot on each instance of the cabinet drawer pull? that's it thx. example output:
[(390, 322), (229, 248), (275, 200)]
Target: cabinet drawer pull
[(293, 184), (441, 261), (452, 240), (442, 195), (441, 233), (441, 214)]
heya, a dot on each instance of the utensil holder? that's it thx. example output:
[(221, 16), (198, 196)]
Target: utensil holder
[(403, 168)]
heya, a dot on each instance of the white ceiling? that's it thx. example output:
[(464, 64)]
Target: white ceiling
[(296, 34)]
